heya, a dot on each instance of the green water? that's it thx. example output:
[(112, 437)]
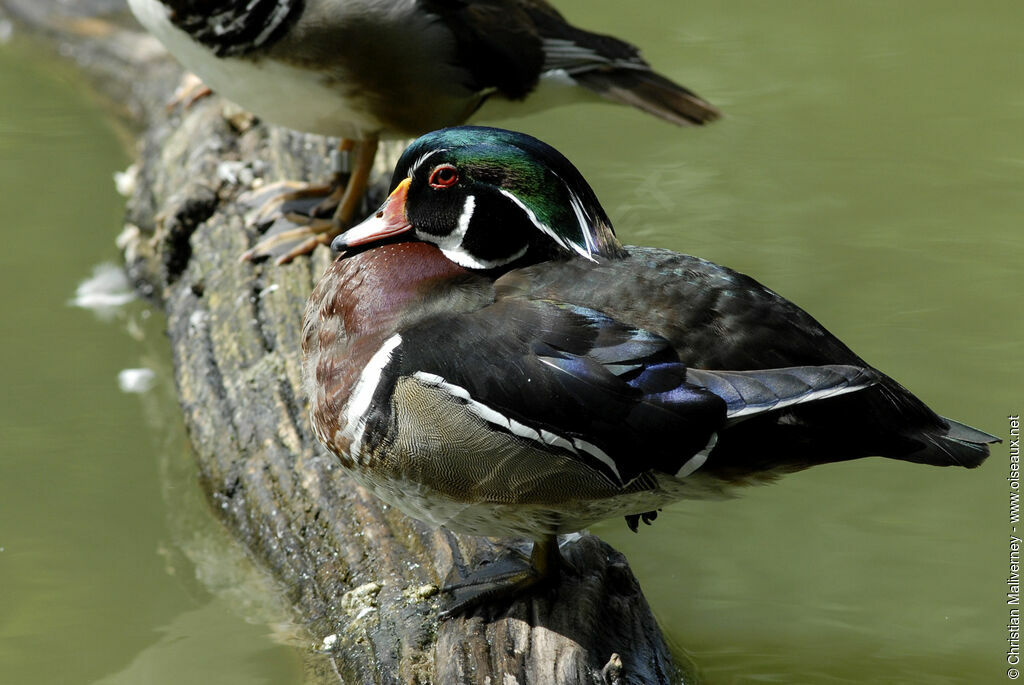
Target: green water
[(104, 570), (870, 168)]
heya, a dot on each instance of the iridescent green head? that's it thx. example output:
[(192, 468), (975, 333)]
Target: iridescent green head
[(490, 198)]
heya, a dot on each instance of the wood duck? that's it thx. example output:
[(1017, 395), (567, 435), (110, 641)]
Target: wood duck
[(486, 355), (366, 69)]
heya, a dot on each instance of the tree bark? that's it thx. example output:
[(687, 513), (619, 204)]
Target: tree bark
[(363, 577)]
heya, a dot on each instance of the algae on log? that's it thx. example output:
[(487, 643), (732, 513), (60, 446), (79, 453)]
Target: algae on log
[(357, 572)]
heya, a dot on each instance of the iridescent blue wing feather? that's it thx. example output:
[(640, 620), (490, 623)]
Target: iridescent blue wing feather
[(613, 395)]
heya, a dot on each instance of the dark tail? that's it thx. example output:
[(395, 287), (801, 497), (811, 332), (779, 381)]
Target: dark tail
[(650, 92), (883, 420), (961, 445)]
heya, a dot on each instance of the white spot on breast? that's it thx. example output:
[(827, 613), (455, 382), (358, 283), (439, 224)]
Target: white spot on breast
[(362, 393)]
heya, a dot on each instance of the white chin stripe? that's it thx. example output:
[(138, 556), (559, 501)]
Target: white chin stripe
[(453, 241), (452, 244), (362, 393)]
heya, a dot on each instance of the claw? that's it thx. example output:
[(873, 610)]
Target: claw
[(305, 247), (285, 232), (298, 215), (633, 520), (275, 200)]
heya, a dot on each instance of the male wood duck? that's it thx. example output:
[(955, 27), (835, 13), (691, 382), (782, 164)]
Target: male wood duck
[(366, 69), (486, 355)]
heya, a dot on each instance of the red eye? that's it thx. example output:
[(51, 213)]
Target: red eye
[(444, 176)]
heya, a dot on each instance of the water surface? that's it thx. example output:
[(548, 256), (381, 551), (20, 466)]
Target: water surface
[(870, 168), (104, 567)]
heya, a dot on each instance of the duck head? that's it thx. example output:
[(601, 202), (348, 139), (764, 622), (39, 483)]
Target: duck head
[(489, 198)]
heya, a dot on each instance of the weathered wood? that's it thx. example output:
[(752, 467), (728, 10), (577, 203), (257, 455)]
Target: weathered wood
[(360, 575)]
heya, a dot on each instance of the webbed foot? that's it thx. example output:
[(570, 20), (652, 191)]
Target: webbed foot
[(500, 582)]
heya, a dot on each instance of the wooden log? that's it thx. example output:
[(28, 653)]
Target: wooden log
[(361, 576)]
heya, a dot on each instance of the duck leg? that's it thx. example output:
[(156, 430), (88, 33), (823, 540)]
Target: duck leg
[(505, 579), (294, 233)]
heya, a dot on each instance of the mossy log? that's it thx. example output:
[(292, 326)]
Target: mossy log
[(361, 576)]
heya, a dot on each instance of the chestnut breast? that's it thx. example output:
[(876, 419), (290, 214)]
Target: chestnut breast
[(361, 301)]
